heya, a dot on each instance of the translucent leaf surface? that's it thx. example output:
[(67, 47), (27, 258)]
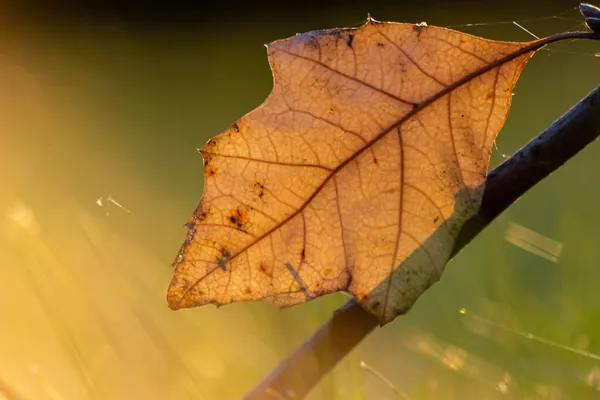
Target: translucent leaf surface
[(356, 173)]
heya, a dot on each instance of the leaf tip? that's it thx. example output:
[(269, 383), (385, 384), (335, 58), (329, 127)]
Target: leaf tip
[(371, 20), (173, 297)]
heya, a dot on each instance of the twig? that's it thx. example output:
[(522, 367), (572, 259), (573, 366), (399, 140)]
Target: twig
[(303, 369)]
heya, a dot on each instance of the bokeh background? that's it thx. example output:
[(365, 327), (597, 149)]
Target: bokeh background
[(102, 108)]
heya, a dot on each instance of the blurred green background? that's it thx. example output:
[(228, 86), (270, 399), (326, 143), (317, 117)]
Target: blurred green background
[(102, 108)]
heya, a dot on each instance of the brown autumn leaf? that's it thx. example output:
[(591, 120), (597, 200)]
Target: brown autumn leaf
[(355, 174)]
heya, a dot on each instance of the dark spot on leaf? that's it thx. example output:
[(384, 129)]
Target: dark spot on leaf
[(211, 170), (302, 254), (375, 160), (379, 44), (202, 216), (236, 127), (225, 256), (419, 28), (436, 219), (260, 189), (190, 224), (239, 218), (264, 268), (336, 33), (312, 42), (331, 110), (350, 40), (207, 159)]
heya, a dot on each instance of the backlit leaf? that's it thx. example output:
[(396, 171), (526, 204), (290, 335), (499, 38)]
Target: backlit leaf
[(356, 173)]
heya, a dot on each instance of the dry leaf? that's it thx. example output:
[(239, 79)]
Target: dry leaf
[(356, 173)]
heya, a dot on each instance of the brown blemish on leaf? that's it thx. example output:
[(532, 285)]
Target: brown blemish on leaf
[(222, 260), (312, 42), (264, 268), (202, 216), (235, 127), (260, 189), (239, 217), (207, 158), (191, 224), (337, 33), (350, 40), (210, 170), (419, 28)]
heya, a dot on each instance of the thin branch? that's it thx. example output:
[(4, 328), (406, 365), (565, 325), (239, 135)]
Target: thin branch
[(303, 369)]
